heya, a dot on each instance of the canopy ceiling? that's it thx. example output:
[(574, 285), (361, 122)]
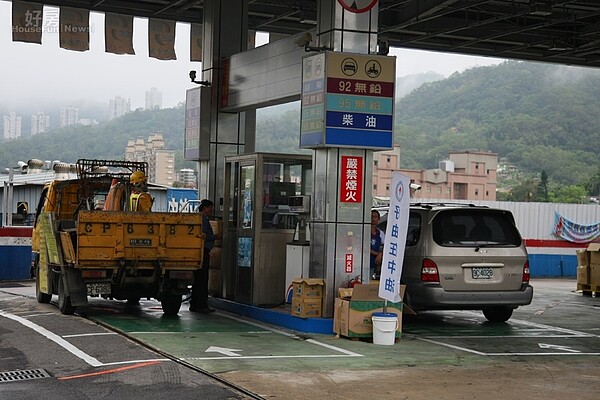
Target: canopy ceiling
[(555, 31)]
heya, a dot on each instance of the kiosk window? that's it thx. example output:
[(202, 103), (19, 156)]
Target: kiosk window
[(280, 192)]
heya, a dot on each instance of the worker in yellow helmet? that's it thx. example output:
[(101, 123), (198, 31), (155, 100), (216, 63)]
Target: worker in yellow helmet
[(140, 199)]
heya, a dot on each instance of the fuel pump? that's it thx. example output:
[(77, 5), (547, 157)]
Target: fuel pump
[(298, 250)]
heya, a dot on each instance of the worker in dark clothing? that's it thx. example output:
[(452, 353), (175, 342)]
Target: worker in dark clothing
[(377, 239), (199, 301)]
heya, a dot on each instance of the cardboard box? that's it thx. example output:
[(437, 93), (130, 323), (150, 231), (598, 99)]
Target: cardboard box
[(217, 227), (594, 274), (305, 288), (583, 275), (306, 308), (594, 253), (345, 293), (583, 257), (352, 317)]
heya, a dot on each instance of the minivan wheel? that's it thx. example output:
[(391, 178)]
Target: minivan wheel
[(497, 314)]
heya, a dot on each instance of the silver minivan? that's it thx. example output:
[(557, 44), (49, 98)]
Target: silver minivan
[(464, 257)]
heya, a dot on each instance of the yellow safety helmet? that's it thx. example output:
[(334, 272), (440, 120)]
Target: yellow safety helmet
[(137, 178)]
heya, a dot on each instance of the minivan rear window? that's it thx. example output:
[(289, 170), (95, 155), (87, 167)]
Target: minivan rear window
[(464, 227), (414, 227)]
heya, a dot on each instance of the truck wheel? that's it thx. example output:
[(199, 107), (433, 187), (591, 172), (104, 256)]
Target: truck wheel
[(171, 303), (64, 301), (133, 301), (39, 296)]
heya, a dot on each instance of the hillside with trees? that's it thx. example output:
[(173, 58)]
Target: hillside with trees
[(542, 119), (106, 140)]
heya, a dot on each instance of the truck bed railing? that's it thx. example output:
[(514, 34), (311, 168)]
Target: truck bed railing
[(114, 168)]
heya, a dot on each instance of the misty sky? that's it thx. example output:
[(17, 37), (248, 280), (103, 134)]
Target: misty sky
[(47, 72)]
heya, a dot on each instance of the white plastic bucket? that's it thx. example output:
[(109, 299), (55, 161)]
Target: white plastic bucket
[(384, 328)]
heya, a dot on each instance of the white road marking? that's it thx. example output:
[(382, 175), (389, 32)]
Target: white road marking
[(90, 334), (223, 350), (451, 346), (567, 333), (542, 354), (265, 329), (294, 336), (135, 361), (267, 357), (347, 352), (155, 333), (544, 327), (552, 328), (503, 336), (188, 332), (68, 346), (55, 338), (467, 350), (557, 347)]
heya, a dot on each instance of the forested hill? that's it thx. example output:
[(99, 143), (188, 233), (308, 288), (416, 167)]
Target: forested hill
[(106, 140), (540, 117)]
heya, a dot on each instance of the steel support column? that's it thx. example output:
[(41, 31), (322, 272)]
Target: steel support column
[(225, 32), (337, 228)]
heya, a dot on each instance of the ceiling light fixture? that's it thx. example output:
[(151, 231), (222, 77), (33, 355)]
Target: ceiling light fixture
[(540, 8), (305, 19), (559, 45)]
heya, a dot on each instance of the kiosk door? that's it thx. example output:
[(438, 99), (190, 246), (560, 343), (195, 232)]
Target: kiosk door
[(245, 234)]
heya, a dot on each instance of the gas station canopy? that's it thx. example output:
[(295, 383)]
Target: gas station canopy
[(554, 31)]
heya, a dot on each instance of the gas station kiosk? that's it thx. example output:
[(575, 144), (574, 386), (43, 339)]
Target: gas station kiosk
[(258, 223)]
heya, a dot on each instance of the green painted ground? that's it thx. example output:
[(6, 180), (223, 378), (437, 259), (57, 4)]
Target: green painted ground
[(221, 342)]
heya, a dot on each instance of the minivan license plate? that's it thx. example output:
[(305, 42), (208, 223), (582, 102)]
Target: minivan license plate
[(482, 273)]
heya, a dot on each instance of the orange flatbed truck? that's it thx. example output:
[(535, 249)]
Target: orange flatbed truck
[(118, 254)]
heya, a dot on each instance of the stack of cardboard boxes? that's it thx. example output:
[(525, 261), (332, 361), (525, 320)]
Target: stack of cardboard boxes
[(355, 307), (588, 268), (307, 297)]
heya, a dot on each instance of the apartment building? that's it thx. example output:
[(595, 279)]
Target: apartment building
[(161, 162), (118, 106), (69, 116), (465, 175), (12, 126), (187, 177), (153, 99), (40, 123)]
